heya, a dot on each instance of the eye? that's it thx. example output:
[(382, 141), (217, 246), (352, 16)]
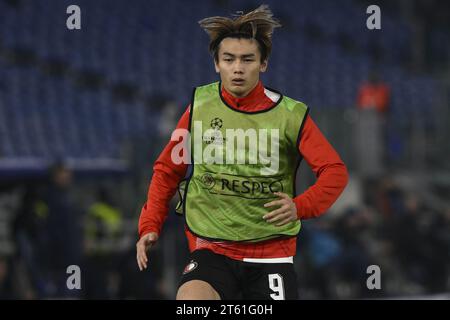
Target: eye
[(248, 60), (227, 59)]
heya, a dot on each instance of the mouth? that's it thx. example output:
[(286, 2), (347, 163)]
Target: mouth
[(238, 81)]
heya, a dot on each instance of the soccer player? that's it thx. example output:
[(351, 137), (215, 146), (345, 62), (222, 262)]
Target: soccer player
[(242, 214)]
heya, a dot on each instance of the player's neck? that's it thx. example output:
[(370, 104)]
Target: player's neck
[(252, 95)]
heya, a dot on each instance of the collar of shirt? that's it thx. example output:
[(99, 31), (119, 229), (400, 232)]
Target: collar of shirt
[(256, 100)]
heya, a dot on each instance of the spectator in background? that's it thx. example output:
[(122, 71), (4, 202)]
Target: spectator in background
[(372, 105), (30, 234), (48, 234), (355, 233), (374, 94), (103, 230), (64, 235), (322, 252), (5, 281)]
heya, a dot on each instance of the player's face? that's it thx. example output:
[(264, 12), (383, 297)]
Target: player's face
[(239, 65)]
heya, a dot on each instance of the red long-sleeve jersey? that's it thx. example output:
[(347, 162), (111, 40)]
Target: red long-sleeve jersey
[(323, 160)]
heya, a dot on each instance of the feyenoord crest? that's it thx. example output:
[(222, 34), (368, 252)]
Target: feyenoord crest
[(191, 266)]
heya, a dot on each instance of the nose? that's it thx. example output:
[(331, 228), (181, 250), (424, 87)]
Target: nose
[(238, 67)]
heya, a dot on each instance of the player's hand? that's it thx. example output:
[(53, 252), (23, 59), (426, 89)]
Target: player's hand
[(283, 215), (142, 246)]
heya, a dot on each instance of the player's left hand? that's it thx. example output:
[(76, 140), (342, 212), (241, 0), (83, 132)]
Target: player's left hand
[(283, 215)]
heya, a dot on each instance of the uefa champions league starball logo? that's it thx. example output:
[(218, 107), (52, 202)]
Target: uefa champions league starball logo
[(216, 123)]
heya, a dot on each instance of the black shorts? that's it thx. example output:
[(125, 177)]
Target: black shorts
[(234, 279)]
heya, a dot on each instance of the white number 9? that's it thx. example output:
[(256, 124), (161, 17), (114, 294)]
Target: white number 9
[(276, 285)]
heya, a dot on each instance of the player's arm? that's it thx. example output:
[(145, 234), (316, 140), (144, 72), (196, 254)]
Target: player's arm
[(164, 183), (331, 173)]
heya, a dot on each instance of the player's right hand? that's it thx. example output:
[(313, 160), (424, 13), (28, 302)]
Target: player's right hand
[(142, 246)]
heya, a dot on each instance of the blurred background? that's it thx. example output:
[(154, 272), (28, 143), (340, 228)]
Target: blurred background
[(84, 114)]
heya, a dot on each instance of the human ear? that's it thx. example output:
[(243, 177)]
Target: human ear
[(216, 66), (263, 66)]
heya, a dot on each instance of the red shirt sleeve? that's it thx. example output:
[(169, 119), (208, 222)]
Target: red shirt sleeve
[(164, 184), (330, 171)]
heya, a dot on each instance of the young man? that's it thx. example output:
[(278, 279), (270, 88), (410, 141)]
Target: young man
[(242, 214)]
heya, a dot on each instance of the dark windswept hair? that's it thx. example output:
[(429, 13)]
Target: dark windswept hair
[(257, 24)]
